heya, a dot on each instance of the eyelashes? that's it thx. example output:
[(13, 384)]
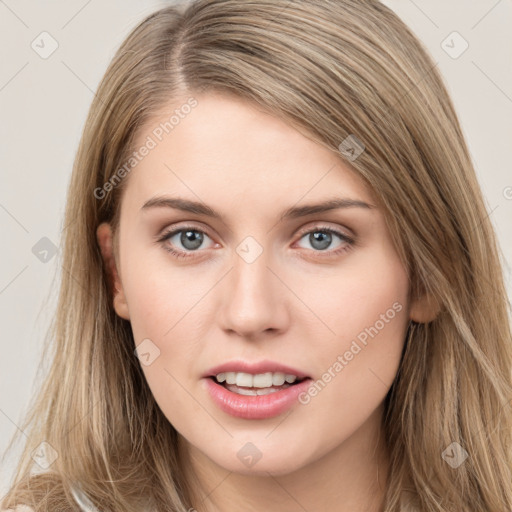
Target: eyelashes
[(347, 242)]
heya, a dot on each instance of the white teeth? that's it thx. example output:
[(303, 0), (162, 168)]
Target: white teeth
[(278, 379), (244, 379), (254, 392), (230, 378), (261, 380), (242, 391)]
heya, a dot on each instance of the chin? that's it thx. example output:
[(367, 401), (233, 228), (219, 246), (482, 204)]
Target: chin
[(248, 460)]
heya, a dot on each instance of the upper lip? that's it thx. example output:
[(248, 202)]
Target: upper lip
[(254, 368)]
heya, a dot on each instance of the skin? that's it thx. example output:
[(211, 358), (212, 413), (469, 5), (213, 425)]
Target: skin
[(295, 304)]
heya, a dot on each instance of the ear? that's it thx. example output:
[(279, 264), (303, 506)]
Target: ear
[(105, 241), (424, 309)]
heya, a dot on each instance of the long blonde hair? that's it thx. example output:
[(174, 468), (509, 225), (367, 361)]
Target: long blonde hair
[(332, 68)]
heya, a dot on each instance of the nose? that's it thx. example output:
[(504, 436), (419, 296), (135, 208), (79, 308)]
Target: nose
[(254, 300)]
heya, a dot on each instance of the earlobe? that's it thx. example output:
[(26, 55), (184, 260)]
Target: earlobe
[(424, 309), (105, 241)]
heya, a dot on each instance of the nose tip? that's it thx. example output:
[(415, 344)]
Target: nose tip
[(253, 300)]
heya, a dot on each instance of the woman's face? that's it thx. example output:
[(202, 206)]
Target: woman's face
[(268, 279)]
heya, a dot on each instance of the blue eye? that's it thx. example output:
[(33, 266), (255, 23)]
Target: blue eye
[(321, 239), (191, 239)]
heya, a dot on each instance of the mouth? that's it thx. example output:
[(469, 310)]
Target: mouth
[(258, 396), (256, 385)]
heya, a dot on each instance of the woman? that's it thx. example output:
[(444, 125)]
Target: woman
[(283, 288)]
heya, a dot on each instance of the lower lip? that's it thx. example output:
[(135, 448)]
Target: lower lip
[(255, 407)]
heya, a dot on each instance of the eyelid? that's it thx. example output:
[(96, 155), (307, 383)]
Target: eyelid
[(197, 226), (175, 228), (319, 226)]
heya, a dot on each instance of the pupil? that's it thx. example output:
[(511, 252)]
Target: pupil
[(191, 239), (320, 240)]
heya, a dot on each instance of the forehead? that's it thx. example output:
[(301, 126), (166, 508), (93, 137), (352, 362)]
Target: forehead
[(228, 151)]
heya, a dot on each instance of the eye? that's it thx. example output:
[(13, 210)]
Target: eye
[(183, 242), (189, 238), (322, 238)]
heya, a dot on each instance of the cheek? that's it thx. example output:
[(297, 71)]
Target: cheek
[(367, 310), (354, 298), (160, 294), (364, 316), (163, 303)]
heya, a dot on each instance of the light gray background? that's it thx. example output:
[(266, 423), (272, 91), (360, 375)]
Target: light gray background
[(44, 103)]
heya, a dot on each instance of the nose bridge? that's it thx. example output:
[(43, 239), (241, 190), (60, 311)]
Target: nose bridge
[(252, 301), (250, 273)]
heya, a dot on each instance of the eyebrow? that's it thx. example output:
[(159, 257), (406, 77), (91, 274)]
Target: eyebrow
[(294, 212)]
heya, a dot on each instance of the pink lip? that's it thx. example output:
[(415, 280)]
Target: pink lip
[(255, 407), (254, 368)]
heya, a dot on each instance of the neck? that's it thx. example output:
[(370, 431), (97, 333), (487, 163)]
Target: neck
[(350, 478)]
